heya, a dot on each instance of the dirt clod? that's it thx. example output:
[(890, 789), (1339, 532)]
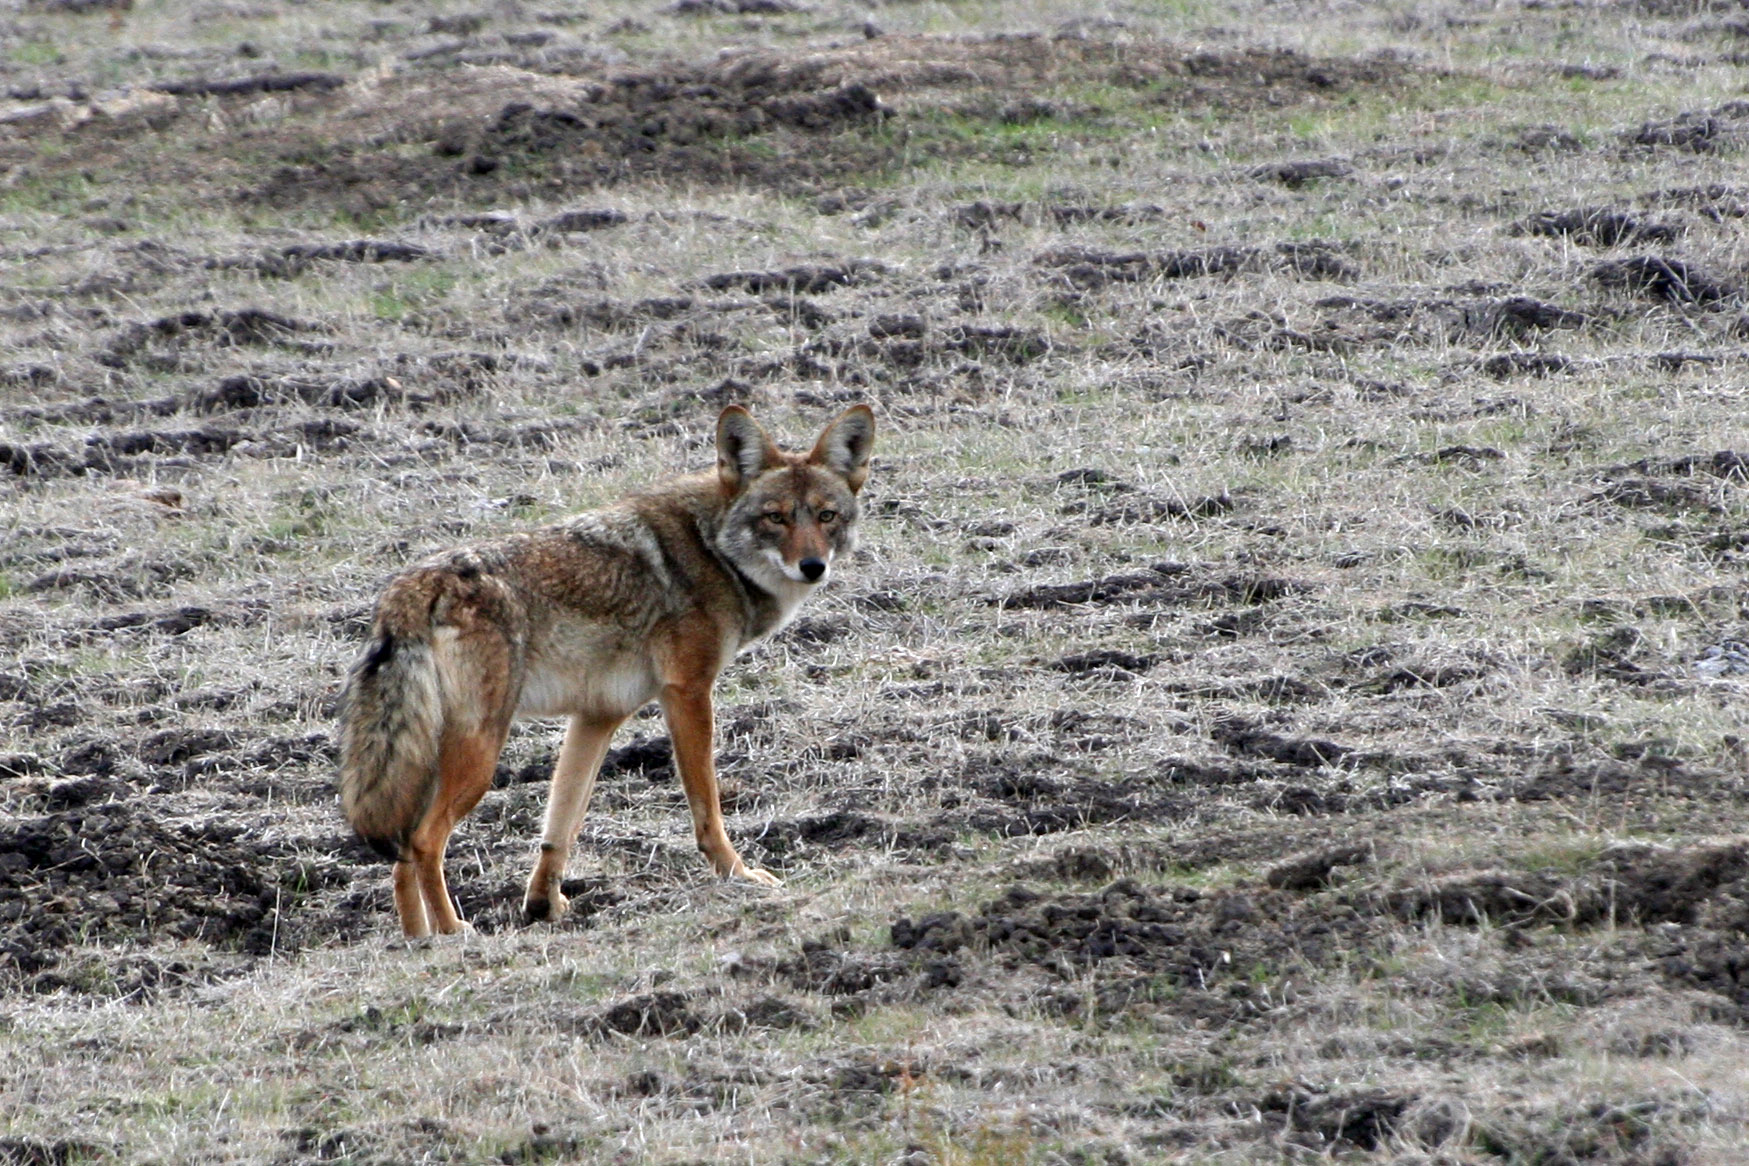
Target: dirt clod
[(1310, 871), (1596, 227), (1663, 278)]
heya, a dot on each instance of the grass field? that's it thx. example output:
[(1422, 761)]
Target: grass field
[(1290, 702)]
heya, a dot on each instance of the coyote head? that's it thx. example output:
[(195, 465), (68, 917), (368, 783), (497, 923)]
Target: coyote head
[(790, 514)]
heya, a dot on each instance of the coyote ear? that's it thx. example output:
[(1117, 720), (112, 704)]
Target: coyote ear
[(844, 446), (743, 448)]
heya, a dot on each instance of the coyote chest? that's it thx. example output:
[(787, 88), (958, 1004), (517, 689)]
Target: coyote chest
[(588, 669)]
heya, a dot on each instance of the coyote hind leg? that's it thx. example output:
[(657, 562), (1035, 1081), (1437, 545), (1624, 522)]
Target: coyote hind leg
[(409, 900), (573, 782), (465, 767)]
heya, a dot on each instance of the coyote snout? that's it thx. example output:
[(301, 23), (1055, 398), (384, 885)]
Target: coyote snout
[(590, 618)]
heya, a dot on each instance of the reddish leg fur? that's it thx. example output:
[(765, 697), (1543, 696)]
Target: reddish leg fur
[(465, 774), (688, 710)]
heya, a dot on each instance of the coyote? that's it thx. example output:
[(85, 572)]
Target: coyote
[(589, 618)]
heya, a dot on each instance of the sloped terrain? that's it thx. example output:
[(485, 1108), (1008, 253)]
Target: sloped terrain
[(1290, 701)]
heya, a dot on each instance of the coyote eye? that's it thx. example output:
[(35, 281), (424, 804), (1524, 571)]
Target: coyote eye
[(828, 515), (775, 517)]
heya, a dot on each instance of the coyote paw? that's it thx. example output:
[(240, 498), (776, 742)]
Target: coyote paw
[(729, 865), (754, 874), (550, 908), (542, 898)]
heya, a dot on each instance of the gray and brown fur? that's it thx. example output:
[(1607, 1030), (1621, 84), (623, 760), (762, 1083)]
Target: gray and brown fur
[(589, 618)]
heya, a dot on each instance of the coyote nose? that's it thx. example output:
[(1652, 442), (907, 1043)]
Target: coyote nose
[(812, 569)]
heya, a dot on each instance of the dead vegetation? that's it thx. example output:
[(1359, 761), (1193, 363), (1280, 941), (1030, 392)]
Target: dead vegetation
[(1290, 702)]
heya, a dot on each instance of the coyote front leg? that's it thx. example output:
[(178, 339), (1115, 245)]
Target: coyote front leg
[(687, 706)]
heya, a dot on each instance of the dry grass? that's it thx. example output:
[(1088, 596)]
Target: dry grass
[(1341, 641)]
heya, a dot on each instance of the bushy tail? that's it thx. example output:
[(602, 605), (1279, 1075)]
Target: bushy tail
[(391, 724)]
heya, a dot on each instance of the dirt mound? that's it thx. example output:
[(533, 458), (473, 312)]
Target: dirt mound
[(1248, 740), (257, 416), (789, 123), (822, 967), (114, 871), (1165, 583), (652, 1014), (1354, 322), (665, 121), (1331, 1122), (27, 1151), (1177, 936), (1662, 278), (1707, 886), (1598, 1131), (749, 117), (1033, 794), (1596, 226), (1712, 131), (1687, 908), (1088, 269)]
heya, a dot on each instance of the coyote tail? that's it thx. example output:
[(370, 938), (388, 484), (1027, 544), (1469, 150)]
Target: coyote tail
[(390, 729)]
